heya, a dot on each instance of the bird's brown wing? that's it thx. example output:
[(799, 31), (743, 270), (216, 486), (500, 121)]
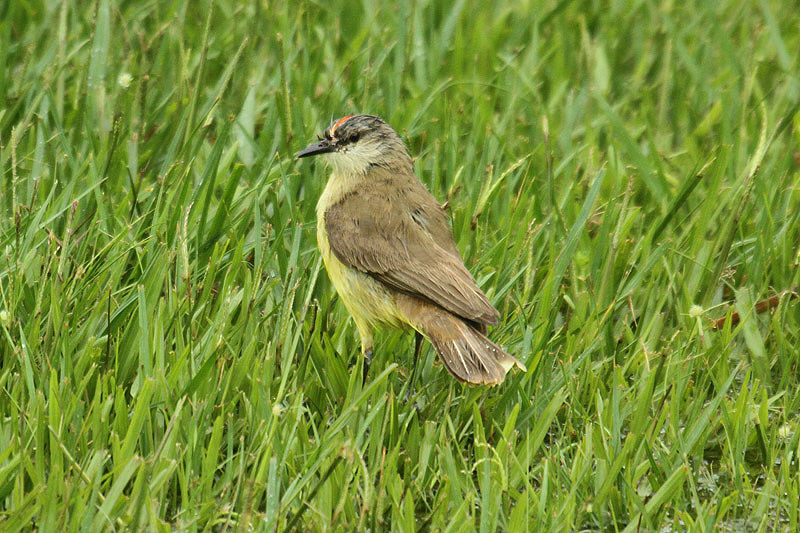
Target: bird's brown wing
[(395, 231)]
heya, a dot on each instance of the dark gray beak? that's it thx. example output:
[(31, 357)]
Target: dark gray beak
[(323, 147)]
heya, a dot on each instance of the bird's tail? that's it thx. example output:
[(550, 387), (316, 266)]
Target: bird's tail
[(466, 352)]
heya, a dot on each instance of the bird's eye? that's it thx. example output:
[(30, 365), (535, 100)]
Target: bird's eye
[(353, 137)]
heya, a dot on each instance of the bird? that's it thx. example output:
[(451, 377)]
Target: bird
[(390, 254)]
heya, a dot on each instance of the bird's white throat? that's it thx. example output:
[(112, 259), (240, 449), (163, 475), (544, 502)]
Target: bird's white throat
[(354, 160)]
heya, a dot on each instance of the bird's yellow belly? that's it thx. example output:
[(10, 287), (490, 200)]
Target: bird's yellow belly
[(366, 299)]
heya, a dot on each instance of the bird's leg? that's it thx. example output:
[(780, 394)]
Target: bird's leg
[(365, 332), (367, 362), (418, 338)]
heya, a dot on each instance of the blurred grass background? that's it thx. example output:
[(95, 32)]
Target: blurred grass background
[(619, 175)]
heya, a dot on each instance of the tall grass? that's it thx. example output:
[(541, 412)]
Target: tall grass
[(623, 182)]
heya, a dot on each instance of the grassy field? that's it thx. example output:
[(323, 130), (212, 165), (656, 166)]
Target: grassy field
[(623, 179)]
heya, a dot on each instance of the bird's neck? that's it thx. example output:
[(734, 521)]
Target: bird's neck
[(339, 185), (345, 179)]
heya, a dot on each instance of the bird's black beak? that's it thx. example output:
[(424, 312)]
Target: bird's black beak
[(323, 147)]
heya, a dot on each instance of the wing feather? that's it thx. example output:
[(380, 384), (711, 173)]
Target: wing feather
[(395, 231)]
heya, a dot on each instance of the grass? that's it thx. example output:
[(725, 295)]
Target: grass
[(619, 174)]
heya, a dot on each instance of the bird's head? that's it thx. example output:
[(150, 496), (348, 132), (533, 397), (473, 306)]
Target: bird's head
[(355, 143)]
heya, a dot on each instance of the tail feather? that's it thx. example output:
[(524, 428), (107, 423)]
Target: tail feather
[(462, 345), (471, 356)]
